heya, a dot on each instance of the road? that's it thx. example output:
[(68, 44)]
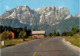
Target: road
[(40, 47)]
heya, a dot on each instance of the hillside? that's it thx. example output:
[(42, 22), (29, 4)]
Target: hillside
[(63, 25)]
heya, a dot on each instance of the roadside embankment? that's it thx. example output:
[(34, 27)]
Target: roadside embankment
[(73, 42)]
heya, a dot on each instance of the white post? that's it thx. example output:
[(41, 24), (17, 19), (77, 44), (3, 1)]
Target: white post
[(2, 43)]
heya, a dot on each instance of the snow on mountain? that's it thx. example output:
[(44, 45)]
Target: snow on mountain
[(56, 23), (24, 16), (67, 17), (47, 15)]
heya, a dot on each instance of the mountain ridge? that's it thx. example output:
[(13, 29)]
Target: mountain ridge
[(47, 16)]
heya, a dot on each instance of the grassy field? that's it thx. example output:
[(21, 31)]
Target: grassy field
[(75, 40), (15, 41)]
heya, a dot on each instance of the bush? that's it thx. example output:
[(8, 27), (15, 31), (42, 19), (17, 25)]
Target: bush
[(69, 34), (64, 33), (6, 35), (22, 34)]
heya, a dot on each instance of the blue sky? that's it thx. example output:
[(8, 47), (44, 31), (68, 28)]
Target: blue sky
[(72, 5)]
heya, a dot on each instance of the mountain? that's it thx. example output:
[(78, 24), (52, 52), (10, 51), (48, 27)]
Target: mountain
[(41, 19), (65, 25), (51, 14), (77, 15)]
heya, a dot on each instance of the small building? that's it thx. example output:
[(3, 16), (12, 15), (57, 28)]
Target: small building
[(38, 34)]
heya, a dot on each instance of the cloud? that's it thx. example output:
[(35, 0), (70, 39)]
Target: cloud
[(7, 7)]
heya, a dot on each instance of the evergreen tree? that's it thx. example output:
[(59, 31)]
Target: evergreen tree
[(25, 28), (50, 34), (54, 33), (58, 34), (64, 33), (74, 30)]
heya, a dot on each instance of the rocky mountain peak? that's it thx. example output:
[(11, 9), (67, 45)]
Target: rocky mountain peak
[(47, 15), (37, 10), (77, 15), (24, 8)]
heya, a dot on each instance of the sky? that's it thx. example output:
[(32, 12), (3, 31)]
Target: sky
[(71, 5)]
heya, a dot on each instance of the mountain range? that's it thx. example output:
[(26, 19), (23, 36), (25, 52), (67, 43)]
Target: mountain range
[(48, 18)]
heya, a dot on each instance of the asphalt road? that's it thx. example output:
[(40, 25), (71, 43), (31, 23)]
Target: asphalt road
[(40, 47)]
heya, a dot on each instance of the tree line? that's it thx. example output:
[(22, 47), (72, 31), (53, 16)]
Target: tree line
[(24, 32), (19, 32), (73, 31)]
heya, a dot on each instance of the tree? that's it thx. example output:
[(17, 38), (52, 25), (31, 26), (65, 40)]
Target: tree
[(9, 35), (50, 34), (58, 34), (54, 33), (29, 32), (22, 35), (74, 30), (25, 28), (4, 36), (64, 33)]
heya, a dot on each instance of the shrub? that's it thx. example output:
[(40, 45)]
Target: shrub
[(6, 35), (22, 34)]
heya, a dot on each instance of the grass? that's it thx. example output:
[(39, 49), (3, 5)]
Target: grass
[(14, 42), (75, 40)]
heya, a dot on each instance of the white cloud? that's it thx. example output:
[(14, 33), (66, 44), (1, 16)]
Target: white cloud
[(7, 7)]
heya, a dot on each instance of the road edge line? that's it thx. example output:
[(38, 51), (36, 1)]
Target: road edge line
[(70, 45)]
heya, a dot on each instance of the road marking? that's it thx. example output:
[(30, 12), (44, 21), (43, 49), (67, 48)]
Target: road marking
[(34, 53)]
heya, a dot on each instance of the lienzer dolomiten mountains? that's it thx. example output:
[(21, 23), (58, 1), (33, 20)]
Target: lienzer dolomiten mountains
[(48, 18)]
